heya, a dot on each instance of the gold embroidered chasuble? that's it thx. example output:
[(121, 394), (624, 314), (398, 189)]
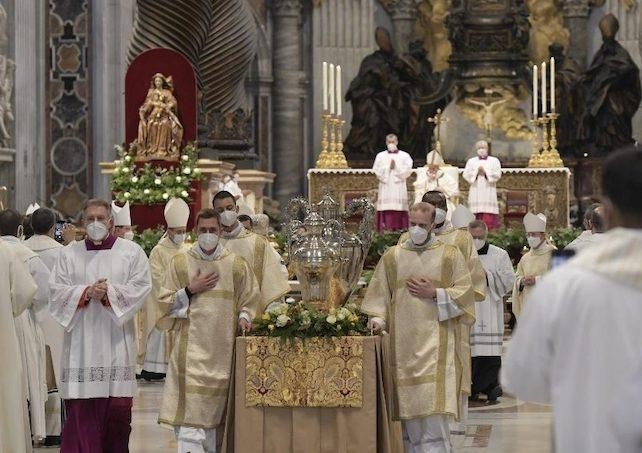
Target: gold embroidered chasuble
[(200, 366), (152, 312), (464, 242), (536, 263), (422, 348), (265, 262)]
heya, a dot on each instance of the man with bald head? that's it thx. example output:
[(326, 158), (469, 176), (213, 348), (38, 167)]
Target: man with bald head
[(421, 292)]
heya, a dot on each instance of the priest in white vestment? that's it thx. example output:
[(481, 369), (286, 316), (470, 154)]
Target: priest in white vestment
[(17, 289), (487, 334), (422, 293), (210, 294), (122, 218), (535, 263), (392, 167), (159, 342), (266, 263), (482, 173), (431, 177), (97, 286), (30, 335), (43, 221), (579, 340), (593, 229)]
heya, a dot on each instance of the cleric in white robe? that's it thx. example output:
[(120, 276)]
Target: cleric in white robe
[(593, 229), (43, 221), (28, 330), (17, 289), (579, 338), (482, 173), (97, 285), (487, 334), (122, 218), (392, 168)]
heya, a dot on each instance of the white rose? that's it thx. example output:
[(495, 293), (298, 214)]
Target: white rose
[(127, 194), (116, 170), (165, 196), (197, 170), (128, 158), (135, 179), (157, 181), (187, 170), (184, 194), (146, 191), (331, 319), (341, 316), (179, 179), (184, 157), (125, 170), (282, 320)]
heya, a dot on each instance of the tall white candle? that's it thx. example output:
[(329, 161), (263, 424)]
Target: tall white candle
[(331, 85), (543, 88), (325, 86), (552, 69), (339, 95), (535, 86)]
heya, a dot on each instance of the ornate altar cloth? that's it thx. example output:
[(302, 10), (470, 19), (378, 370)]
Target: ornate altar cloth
[(365, 427), (519, 190)]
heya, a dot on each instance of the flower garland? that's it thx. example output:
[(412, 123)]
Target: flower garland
[(151, 185), (288, 321)]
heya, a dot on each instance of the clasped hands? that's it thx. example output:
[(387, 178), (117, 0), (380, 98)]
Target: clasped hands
[(529, 280), (206, 281), (97, 291)]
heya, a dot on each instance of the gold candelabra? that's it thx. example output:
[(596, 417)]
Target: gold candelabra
[(331, 155), (549, 156)]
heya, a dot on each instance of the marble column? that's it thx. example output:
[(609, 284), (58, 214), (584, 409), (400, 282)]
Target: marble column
[(30, 108), (404, 15), (576, 14), (288, 108), (112, 22)]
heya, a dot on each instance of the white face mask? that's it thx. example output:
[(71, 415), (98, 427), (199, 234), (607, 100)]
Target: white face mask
[(228, 218), (440, 216), (534, 242), (479, 243), (207, 241), (418, 235), (129, 235), (391, 147), (178, 239), (97, 231)]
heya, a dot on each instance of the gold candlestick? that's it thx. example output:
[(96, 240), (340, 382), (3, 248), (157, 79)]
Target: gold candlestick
[(325, 159), (553, 158), (339, 160), (536, 159)]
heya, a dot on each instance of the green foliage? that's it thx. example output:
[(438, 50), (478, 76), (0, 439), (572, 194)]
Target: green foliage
[(149, 238), (561, 237), (287, 321), (379, 245), (508, 239), (148, 185)]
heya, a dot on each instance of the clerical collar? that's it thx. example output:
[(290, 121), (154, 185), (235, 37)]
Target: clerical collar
[(234, 233), (105, 244), (484, 249), (201, 254)]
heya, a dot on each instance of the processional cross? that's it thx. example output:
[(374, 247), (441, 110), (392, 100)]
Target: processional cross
[(438, 120)]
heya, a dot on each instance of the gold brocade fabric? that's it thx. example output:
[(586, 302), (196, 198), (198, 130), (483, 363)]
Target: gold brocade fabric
[(317, 372)]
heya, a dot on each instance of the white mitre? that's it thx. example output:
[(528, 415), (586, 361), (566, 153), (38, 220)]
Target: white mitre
[(32, 208), (535, 223), (439, 159), (461, 217), (122, 216), (176, 213)]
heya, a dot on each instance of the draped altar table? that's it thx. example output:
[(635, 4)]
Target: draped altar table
[(322, 395)]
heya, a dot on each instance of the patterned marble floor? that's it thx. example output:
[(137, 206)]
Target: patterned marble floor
[(509, 427)]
